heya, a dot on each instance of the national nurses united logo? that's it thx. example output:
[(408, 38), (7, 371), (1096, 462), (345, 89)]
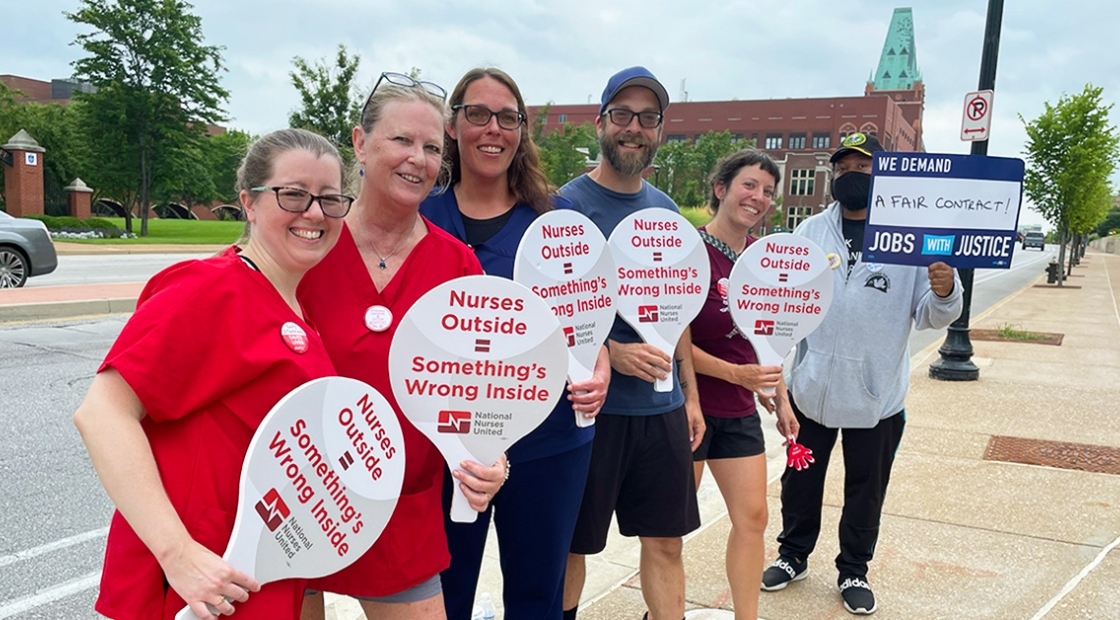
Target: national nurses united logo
[(763, 327), (570, 336), (458, 422), (272, 510), (647, 314)]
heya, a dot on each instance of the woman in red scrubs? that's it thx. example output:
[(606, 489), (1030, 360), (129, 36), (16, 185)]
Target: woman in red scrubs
[(387, 257), (213, 345)]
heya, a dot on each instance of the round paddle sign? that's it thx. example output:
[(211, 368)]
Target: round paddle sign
[(663, 276), (780, 289), (322, 477), (563, 258), (476, 364)]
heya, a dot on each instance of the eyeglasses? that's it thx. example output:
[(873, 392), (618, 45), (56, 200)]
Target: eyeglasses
[(622, 117), (296, 200), (400, 79), (480, 115)]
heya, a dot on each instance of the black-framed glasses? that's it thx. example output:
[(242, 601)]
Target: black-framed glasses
[(407, 81), (296, 200), (480, 115), (400, 79), (622, 117)]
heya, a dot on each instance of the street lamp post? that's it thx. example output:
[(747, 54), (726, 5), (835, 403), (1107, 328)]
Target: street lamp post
[(956, 353)]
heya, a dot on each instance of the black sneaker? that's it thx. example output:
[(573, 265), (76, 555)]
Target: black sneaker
[(782, 572), (858, 598)]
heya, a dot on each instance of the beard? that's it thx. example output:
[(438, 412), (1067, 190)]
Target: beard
[(627, 164)]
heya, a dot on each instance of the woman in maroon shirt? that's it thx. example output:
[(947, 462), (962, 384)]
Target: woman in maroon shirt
[(728, 375)]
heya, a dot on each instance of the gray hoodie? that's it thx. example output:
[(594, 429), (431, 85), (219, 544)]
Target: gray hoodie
[(854, 370)]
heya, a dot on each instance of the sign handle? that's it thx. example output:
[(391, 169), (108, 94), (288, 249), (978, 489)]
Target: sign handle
[(461, 511), (582, 422), (664, 385)]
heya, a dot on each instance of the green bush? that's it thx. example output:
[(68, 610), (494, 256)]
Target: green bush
[(97, 223)]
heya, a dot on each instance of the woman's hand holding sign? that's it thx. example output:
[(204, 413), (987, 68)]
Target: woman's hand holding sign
[(480, 483), (588, 396), (757, 378), (940, 278), (205, 581)]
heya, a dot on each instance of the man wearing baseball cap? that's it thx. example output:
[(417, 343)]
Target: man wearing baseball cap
[(641, 460), (851, 374)]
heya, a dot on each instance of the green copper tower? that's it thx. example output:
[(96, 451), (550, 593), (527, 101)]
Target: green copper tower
[(898, 77)]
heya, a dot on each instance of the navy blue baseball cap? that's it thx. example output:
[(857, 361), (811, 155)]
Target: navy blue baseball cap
[(634, 76)]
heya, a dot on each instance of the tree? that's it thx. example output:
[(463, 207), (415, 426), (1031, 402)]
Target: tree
[(564, 152), (1110, 223), (329, 101), (223, 154), (1071, 153), (157, 90), (683, 167)]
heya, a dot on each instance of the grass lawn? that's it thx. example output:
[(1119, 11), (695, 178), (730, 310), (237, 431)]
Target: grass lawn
[(697, 215), (160, 231)]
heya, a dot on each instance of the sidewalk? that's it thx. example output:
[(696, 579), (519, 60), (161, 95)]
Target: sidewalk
[(964, 537)]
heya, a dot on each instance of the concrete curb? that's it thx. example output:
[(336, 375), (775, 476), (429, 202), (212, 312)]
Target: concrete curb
[(65, 309)]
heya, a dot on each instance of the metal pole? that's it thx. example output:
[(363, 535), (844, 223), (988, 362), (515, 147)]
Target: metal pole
[(956, 353)]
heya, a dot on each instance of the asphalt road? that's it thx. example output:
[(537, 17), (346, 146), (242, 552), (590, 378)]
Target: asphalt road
[(55, 515), (107, 268)]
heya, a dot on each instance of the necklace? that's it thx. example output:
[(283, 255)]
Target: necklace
[(400, 244)]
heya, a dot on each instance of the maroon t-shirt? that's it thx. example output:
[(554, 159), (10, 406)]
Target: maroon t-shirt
[(715, 333)]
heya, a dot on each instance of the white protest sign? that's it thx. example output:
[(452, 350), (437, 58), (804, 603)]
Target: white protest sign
[(780, 290), (476, 364), (320, 480), (563, 258), (663, 277), (928, 207)]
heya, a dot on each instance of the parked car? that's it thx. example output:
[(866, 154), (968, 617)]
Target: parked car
[(26, 250), (1034, 240)]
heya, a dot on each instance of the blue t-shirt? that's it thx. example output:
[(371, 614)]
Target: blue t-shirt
[(558, 433), (626, 395)]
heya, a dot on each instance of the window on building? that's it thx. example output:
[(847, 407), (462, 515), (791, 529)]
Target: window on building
[(796, 215), (675, 137), (802, 182), (822, 141), (563, 118), (796, 141), (773, 141), (736, 136)]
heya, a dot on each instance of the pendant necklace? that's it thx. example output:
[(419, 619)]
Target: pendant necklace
[(400, 244)]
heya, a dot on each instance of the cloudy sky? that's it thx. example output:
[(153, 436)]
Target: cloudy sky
[(564, 52)]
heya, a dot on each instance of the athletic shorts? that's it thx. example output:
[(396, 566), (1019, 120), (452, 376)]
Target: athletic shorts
[(641, 470), (730, 438), (415, 594)]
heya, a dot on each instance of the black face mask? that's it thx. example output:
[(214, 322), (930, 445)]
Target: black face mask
[(851, 189)]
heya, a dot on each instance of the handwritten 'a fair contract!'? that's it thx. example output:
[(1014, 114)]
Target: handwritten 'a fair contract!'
[(779, 291), (563, 258), (320, 480), (663, 277), (476, 364), (928, 207)]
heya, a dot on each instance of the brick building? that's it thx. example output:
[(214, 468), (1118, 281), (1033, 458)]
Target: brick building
[(800, 134)]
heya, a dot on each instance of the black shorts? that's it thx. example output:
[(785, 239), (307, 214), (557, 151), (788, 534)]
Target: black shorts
[(641, 469), (730, 438)]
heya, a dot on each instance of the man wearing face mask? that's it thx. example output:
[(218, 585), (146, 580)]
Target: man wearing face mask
[(851, 374)]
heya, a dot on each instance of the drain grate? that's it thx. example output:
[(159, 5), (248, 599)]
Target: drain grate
[(1060, 454)]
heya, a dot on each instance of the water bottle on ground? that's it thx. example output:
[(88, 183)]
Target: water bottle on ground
[(486, 605)]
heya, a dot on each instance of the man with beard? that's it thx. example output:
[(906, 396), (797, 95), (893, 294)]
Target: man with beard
[(852, 373), (641, 460)]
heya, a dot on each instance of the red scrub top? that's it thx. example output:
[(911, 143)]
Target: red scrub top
[(336, 294), (204, 354)]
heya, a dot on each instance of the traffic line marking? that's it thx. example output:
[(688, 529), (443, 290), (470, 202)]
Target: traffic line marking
[(49, 595), (70, 541)]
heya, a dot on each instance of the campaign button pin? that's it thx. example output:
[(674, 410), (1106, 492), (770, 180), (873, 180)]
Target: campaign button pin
[(721, 286), (294, 337), (378, 318), (833, 261), (874, 267)]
